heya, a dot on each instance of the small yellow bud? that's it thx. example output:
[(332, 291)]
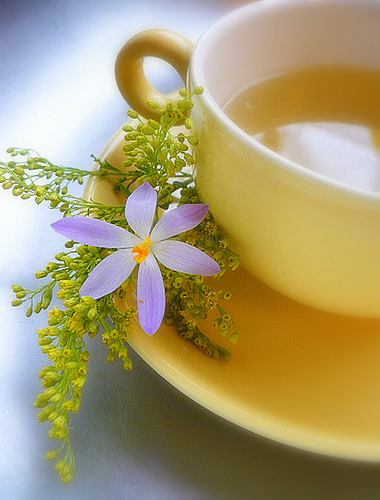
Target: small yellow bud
[(132, 113), (48, 349), (55, 316), (127, 364), (234, 337), (179, 164), (40, 401), (198, 90), (56, 398), (40, 190), (79, 382), (40, 274), (188, 123), (148, 130), (47, 299), (80, 308), (51, 455), (44, 340), (42, 416), (85, 356), (53, 415), (51, 376), (66, 284), (66, 478), (192, 140), (67, 353), (62, 467), (18, 170), (16, 191), (82, 370), (92, 313), (87, 300), (49, 409), (37, 307), (92, 328), (60, 421), (70, 302), (48, 393), (51, 266), (152, 123), (151, 104), (233, 263), (111, 356)]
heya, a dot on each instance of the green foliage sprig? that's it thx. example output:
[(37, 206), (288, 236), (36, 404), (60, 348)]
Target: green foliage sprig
[(157, 152)]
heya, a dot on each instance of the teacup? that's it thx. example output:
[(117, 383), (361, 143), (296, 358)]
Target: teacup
[(307, 235)]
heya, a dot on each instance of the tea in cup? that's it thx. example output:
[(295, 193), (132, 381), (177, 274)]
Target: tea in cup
[(289, 140)]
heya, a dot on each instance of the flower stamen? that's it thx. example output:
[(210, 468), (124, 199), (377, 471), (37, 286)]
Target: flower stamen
[(141, 250)]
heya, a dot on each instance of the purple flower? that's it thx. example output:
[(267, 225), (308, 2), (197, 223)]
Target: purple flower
[(143, 248)]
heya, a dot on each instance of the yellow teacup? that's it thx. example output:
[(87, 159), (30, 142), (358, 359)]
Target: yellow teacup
[(307, 235)]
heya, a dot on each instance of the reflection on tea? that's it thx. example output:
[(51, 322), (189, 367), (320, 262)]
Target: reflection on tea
[(324, 118)]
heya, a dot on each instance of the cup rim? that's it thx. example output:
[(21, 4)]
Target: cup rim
[(197, 79)]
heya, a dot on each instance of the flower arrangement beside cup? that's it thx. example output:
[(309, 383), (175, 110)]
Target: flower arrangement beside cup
[(107, 245)]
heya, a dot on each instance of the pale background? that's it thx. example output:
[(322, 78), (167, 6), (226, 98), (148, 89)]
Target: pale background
[(135, 437)]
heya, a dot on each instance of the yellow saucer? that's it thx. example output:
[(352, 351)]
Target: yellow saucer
[(297, 375)]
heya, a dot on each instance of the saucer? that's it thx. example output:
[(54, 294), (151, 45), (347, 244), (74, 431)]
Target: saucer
[(297, 375)]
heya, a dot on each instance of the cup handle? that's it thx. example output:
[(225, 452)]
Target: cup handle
[(130, 77)]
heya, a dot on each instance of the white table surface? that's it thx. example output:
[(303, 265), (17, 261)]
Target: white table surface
[(135, 437)]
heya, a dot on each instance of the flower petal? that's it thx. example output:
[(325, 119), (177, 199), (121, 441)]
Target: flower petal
[(185, 258), (178, 220), (110, 273), (95, 232), (140, 208), (150, 295)]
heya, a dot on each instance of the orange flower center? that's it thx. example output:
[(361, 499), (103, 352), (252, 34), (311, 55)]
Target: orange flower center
[(141, 250)]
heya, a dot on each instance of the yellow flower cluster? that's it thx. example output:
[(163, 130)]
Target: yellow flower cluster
[(189, 300), (62, 340), (62, 381), (115, 335)]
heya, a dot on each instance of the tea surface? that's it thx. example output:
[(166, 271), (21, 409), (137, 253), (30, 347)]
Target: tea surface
[(324, 118)]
